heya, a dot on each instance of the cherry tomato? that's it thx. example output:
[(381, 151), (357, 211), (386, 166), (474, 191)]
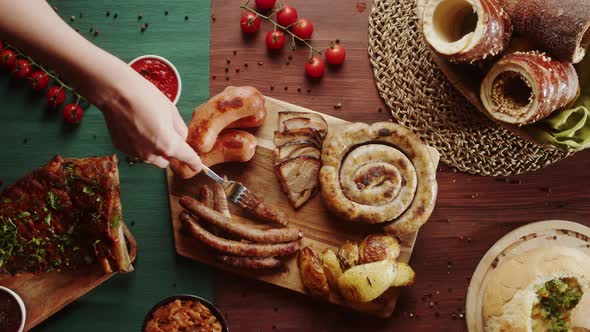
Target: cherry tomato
[(287, 16), (73, 114), (250, 22), (39, 80), (7, 59), (314, 67), (275, 40), (303, 28), (55, 96), (335, 54), (265, 4), (22, 69)]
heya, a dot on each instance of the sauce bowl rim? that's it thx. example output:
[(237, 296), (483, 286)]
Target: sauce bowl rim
[(169, 64)]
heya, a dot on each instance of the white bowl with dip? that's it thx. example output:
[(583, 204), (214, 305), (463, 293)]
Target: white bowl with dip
[(156, 59), (11, 295)]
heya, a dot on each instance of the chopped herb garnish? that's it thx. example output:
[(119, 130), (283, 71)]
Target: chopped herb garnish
[(88, 190), (53, 201), (24, 214), (47, 219), (6, 200), (35, 240)]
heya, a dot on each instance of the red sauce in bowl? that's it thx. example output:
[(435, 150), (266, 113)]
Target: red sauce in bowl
[(160, 74), (10, 313)]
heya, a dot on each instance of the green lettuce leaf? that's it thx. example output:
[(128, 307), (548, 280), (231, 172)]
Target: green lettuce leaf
[(570, 128)]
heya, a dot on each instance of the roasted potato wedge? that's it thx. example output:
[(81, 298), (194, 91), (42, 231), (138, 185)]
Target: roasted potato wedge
[(348, 255), (364, 283), (378, 247), (404, 276), (312, 273), (332, 268)]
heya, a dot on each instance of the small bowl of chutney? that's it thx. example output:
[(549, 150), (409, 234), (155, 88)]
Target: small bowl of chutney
[(12, 311)]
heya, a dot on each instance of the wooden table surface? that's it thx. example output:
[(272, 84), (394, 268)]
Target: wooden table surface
[(472, 212)]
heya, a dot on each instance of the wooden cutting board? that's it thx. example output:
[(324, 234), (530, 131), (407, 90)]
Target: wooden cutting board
[(44, 294), (321, 229), (525, 238), (467, 80)]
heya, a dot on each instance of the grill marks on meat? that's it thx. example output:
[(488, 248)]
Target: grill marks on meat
[(297, 155), (236, 248), (275, 235), (238, 245)]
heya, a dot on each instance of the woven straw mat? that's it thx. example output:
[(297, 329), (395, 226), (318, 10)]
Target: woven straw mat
[(422, 99)]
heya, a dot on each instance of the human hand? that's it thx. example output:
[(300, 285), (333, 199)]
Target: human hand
[(144, 123)]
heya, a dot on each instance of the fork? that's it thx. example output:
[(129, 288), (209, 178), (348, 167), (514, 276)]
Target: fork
[(235, 191), (240, 195)]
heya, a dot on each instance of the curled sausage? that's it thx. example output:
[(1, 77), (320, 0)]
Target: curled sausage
[(275, 235), (250, 263), (236, 248), (231, 146), (209, 119)]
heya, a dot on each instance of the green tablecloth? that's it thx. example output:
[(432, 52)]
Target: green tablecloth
[(30, 135)]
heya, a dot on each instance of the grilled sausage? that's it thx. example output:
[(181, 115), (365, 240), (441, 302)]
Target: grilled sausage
[(231, 146), (211, 118), (206, 196), (275, 235), (250, 263), (235, 247), (220, 200), (253, 121)]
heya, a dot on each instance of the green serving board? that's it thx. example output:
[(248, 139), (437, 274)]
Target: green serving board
[(30, 134)]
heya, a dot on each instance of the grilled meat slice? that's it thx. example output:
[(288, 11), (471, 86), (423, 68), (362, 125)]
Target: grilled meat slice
[(299, 178)]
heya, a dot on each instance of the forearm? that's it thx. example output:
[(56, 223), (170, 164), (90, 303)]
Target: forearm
[(35, 28)]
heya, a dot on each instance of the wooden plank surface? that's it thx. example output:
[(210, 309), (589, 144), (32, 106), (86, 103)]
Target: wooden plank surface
[(322, 230), (472, 212), (45, 294)]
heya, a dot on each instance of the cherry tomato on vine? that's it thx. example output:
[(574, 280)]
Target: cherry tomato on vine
[(335, 54), (314, 67), (275, 40), (55, 96), (22, 69), (39, 80), (286, 16), (265, 4), (250, 22), (73, 114), (7, 59), (303, 28)]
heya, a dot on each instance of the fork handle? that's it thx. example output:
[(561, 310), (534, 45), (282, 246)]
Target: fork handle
[(213, 175)]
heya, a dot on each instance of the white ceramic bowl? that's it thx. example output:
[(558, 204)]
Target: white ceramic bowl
[(21, 304), (169, 64)]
